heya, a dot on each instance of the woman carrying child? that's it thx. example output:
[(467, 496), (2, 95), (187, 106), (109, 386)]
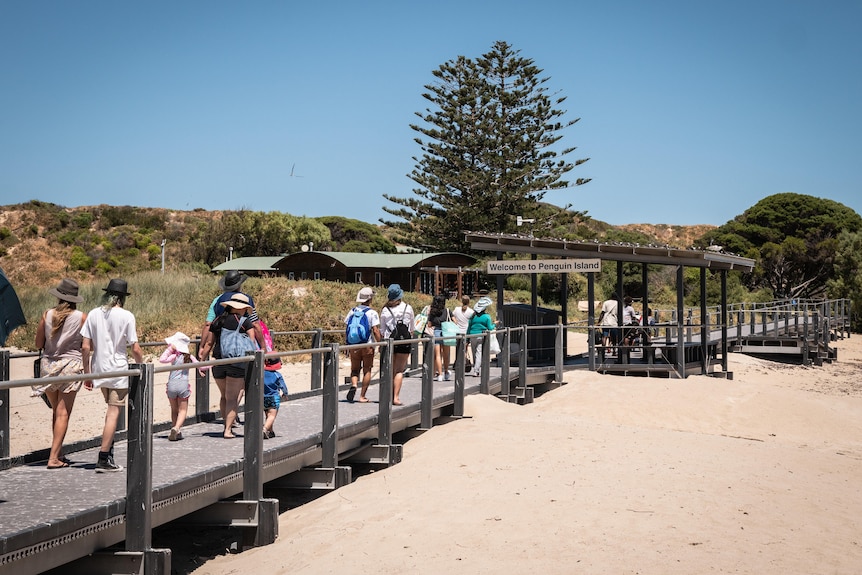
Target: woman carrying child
[(178, 389)]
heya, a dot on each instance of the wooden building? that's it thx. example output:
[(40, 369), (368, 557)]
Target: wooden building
[(429, 273)]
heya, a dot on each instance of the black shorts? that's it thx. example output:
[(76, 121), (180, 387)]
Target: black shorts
[(236, 370)]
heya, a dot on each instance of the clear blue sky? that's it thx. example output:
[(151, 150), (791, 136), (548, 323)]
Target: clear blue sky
[(691, 112)]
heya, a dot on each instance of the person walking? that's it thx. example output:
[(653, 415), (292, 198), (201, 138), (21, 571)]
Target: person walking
[(274, 392), (396, 321), (178, 389), (58, 336), (363, 326), (437, 314), (108, 333), (230, 378), (480, 323), (461, 315), (609, 321)]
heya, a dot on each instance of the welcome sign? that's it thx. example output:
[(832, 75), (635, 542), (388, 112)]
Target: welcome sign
[(544, 266)]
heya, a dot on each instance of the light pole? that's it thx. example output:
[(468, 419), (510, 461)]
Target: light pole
[(163, 254)]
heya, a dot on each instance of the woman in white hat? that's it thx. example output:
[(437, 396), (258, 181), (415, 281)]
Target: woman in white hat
[(230, 378), (58, 335)]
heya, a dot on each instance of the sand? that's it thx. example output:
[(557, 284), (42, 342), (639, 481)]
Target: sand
[(758, 474)]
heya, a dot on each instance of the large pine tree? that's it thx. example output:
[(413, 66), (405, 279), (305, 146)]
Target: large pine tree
[(489, 153)]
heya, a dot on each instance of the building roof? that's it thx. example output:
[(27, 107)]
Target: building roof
[(256, 264), (379, 261), (650, 254)]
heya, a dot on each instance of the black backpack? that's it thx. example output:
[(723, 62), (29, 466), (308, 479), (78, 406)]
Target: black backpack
[(402, 331)]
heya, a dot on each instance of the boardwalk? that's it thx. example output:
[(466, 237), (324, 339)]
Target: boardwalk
[(48, 518)]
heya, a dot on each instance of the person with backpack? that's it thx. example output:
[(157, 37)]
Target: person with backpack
[(233, 335), (480, 322), (363, 326), (396, 321)]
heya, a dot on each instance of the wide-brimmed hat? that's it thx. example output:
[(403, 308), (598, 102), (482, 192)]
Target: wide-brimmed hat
[(272, 364), (180, 341), (66, 290), (395, 292), (482, 304), (237, 301), (118, 286), (232, 280), (364, 295)]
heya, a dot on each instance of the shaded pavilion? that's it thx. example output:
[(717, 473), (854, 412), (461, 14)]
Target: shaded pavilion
[(704, 260)]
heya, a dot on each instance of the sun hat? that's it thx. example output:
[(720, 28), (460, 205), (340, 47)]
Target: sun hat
[(272, 364), (482, 304), (180, 341), (364, 295), (118, 286), (232, 280), (395, 292), (237, 301), (66, 290)]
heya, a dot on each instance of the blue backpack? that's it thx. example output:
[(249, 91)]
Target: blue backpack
[(358, 329)]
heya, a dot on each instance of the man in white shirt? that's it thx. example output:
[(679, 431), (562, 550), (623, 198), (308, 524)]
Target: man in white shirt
[(107, 333), (609, 321)]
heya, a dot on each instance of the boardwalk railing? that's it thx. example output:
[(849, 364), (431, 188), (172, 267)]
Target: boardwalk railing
[(260, 514)]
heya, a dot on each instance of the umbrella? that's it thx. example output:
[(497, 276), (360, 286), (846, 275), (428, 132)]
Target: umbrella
[(11, 314)]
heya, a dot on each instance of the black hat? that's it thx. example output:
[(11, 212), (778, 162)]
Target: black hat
[(232, 280), (66, 290), (118, 286)]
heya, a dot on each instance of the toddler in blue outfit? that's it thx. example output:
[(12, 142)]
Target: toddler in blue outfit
[(274, 391)]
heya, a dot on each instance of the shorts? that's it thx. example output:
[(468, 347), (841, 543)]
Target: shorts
[(236, 370), (48, 368), (271, 402), (613, 333), (116, 397), (178, 389), (361, 359)]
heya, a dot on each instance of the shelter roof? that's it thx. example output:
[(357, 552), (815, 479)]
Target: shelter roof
[(626, 252), (379, 261), (251, 264)]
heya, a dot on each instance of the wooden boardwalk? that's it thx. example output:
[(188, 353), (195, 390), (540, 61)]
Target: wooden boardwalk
[(51, 517)]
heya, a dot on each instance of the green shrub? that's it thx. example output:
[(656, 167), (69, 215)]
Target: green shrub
[(79, 260)]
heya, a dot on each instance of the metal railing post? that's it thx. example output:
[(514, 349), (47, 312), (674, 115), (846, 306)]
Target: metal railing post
[(426, 420), (317, 360), (505, 362), (202, 392), (329, 429), (139, 462), (384, 417), (485, 376), (460, 362), (558, 352), (4, 405), (252, 468), (522, 359)]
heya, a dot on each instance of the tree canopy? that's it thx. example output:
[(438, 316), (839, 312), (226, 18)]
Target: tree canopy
[(489, 142), (794, 239)]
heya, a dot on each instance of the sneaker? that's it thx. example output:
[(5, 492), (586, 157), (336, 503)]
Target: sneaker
[(173, 435), (107, 464), (268, 434), (447, 376), (179, 435), (440, 377)]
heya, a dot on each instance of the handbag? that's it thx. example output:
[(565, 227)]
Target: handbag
[(450, 330), (420, 322), (495, 343)]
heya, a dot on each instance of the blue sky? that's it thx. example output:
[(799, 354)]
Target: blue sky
[(691, 112)]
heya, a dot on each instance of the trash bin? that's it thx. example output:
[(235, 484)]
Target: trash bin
[(540, 342)]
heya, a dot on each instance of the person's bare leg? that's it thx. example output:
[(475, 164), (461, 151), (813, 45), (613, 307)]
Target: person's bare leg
[(112, 417), (366, 381), (445, 351), (175, 410), (222, 402), (62, 404), (182, 412), (270, 419), (399, 363), (438, 361), (233, 386)]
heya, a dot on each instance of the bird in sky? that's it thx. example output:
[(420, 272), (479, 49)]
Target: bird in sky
[(292, 175)]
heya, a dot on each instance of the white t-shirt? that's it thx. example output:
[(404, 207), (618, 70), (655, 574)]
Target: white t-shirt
[(609, 309), (389, 317), (462, 318), (111, 332), (373, 320)]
